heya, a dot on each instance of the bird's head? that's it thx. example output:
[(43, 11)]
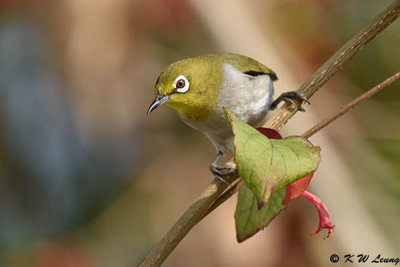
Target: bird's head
[(190, 86)]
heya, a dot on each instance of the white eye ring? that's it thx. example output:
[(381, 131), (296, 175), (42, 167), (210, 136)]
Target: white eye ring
[(181, 80)]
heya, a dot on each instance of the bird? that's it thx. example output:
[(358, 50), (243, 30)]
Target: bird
[(198, 88)]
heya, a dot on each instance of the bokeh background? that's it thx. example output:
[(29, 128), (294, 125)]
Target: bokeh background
[(87, 179)]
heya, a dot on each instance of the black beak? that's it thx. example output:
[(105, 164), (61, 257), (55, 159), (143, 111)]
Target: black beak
[(158, 101)]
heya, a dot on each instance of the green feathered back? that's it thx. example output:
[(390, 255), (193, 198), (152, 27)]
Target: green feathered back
[(248, 65)]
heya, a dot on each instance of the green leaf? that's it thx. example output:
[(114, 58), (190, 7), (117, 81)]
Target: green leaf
[(269, 165), (249, 219)]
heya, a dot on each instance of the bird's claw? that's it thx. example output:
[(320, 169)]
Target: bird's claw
[(301, 96), (222, 180), (290, 97), (221, 172)]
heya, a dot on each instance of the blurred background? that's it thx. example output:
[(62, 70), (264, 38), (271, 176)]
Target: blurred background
[(87, 179)]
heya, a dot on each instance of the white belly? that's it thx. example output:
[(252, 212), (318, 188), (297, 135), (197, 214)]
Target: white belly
[(248, 97)]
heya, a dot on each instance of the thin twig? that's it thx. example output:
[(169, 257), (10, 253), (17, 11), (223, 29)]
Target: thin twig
[(199, 209), (351, 105), (235, 188)]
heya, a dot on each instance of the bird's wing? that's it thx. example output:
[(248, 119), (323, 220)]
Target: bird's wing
[(249, 66)]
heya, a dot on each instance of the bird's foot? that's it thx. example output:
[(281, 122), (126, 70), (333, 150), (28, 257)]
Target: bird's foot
[(290, 97), (221, 172)]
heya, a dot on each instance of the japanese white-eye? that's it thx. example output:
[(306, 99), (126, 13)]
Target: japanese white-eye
[(197, 88)]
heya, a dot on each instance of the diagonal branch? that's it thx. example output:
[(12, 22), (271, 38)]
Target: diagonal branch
[(200, 207)]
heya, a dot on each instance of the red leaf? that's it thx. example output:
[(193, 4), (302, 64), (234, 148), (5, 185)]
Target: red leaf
[(270, 133), (297, 188), (324, 218)]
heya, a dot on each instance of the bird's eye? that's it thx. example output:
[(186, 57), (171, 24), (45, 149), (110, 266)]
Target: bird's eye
[(181, 84)]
